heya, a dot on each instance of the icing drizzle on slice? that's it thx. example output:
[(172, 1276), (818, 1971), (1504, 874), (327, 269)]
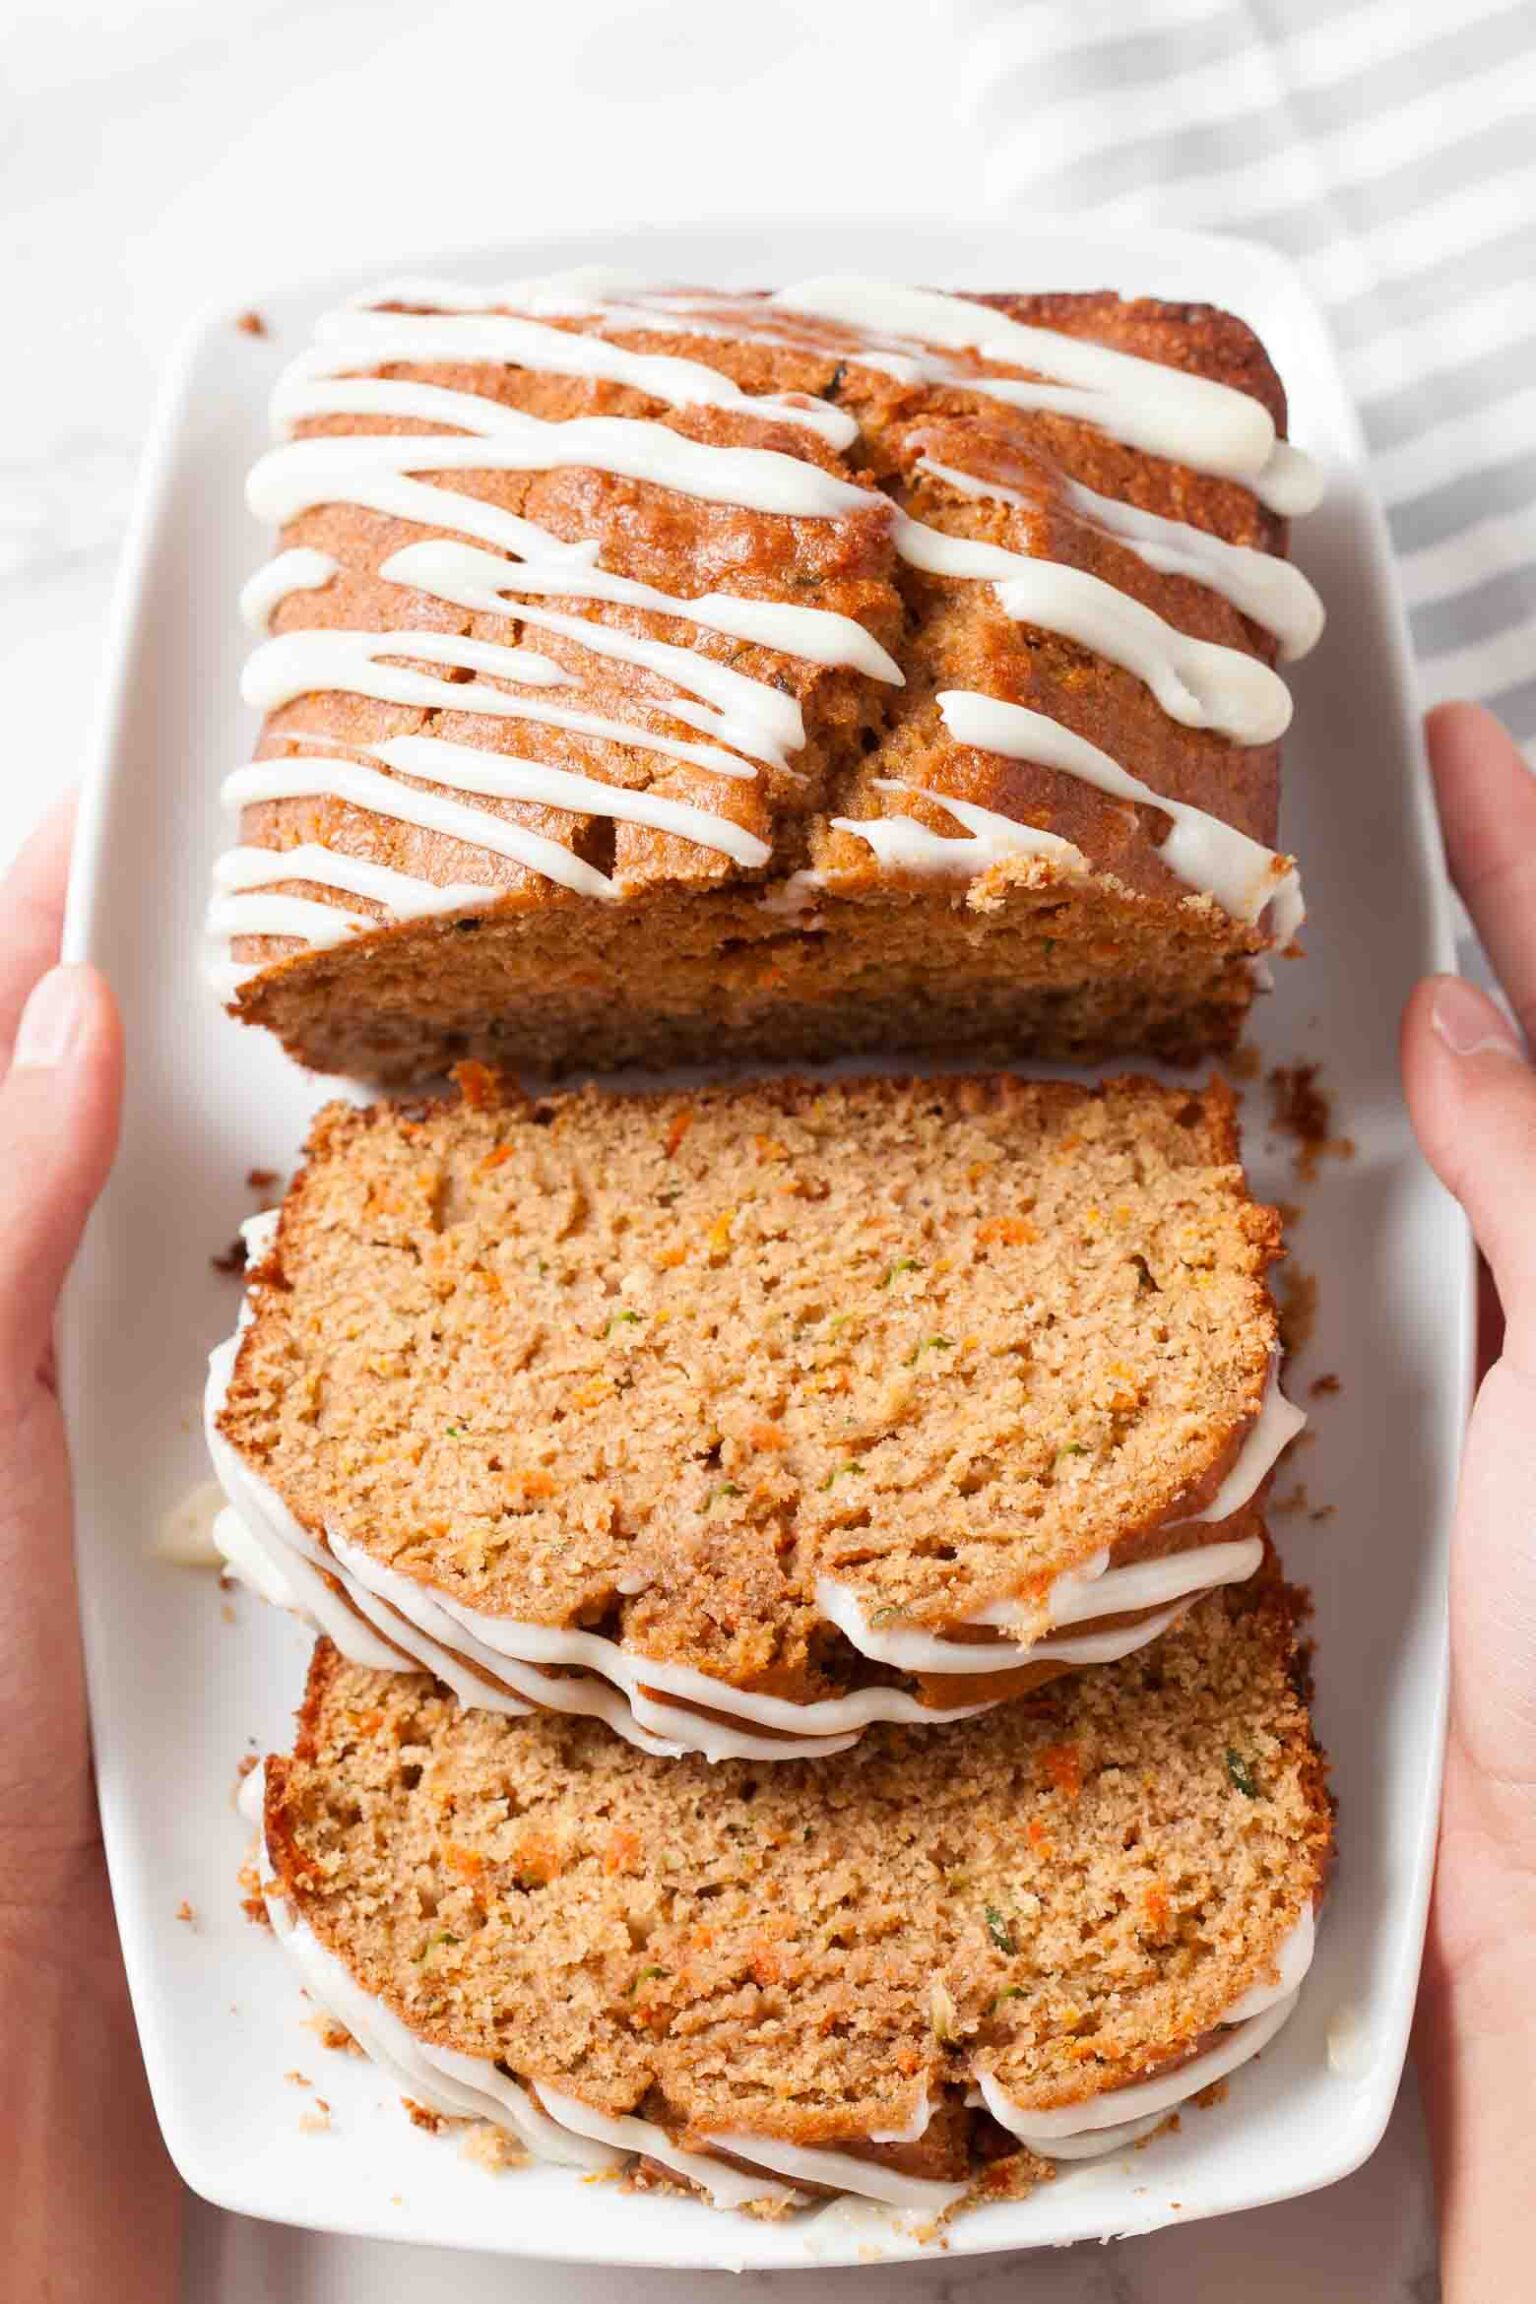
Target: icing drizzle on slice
[(1163, 411), (1196, 682), (912, 335), (1214, 858)]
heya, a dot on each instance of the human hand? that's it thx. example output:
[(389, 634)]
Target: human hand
[(89, 2205), (1472, 1094)]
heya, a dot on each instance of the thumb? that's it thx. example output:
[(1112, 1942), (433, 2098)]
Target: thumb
[(58, 1129), (1472, 1097)]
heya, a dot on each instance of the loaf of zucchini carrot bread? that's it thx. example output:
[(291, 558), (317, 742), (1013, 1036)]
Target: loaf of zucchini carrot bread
[(651, 672)]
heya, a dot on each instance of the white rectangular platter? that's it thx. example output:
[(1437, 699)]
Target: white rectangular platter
[(185, 1679)]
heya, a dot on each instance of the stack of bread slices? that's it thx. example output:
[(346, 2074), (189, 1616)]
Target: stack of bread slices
[(805, 1701)]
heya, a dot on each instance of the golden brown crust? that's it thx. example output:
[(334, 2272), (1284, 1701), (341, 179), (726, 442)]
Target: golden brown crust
[(1054, 984)]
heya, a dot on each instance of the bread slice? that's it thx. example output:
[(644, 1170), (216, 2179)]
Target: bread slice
[(925, 1973), (847, 670), (754, 1415)]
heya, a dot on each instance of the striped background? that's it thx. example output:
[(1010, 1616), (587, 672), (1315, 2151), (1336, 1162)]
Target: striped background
[(1389, 147)]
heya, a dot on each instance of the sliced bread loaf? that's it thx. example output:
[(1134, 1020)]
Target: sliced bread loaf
[(749, 1417), (922, 1974)]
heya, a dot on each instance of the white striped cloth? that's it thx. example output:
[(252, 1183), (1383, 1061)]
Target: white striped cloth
[(1387, 146)]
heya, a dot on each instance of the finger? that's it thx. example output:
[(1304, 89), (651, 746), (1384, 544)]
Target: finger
[(32, 908), (58, 1128), (1472, 1097), (1487, 800)]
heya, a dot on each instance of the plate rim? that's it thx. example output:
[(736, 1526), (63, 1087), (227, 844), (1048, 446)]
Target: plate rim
[(150, 511)]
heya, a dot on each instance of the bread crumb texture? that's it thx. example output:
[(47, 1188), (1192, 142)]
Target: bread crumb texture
[(650, 1366), (1068, 1892)]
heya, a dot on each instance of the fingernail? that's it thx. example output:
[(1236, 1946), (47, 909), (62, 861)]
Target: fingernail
[(1469, 1022), (52, 1022)]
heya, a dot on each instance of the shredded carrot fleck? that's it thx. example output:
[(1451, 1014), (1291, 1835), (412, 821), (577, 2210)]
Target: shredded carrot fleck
[(467, 1862), (1039, 1839), (1015, 1231), (769, 1148), (1063, 1763), (719, 1233), (767, 1436), (536, 1860), (476, 1083), (496, 1158), (668, 1258), (681, 1123), (1155, 1905), (623, 1850)]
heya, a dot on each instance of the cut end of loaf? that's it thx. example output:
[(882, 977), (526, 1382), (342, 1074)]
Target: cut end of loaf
[(1022, 964)]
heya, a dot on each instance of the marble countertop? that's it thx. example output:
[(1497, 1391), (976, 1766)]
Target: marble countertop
[(156, 154)]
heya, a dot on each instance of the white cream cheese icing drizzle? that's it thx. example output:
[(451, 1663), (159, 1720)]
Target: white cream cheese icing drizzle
[(304, 663), (1163, 411), (1273, 593), (1213, 428), (1196, 682), (480, 580), (498, 775), (372, 339), (912, 1651), (239, 870), (335, 468), (308, 663), (1210, 425), (1212, 857), (753, 715), (297, 570), (903, 844)]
